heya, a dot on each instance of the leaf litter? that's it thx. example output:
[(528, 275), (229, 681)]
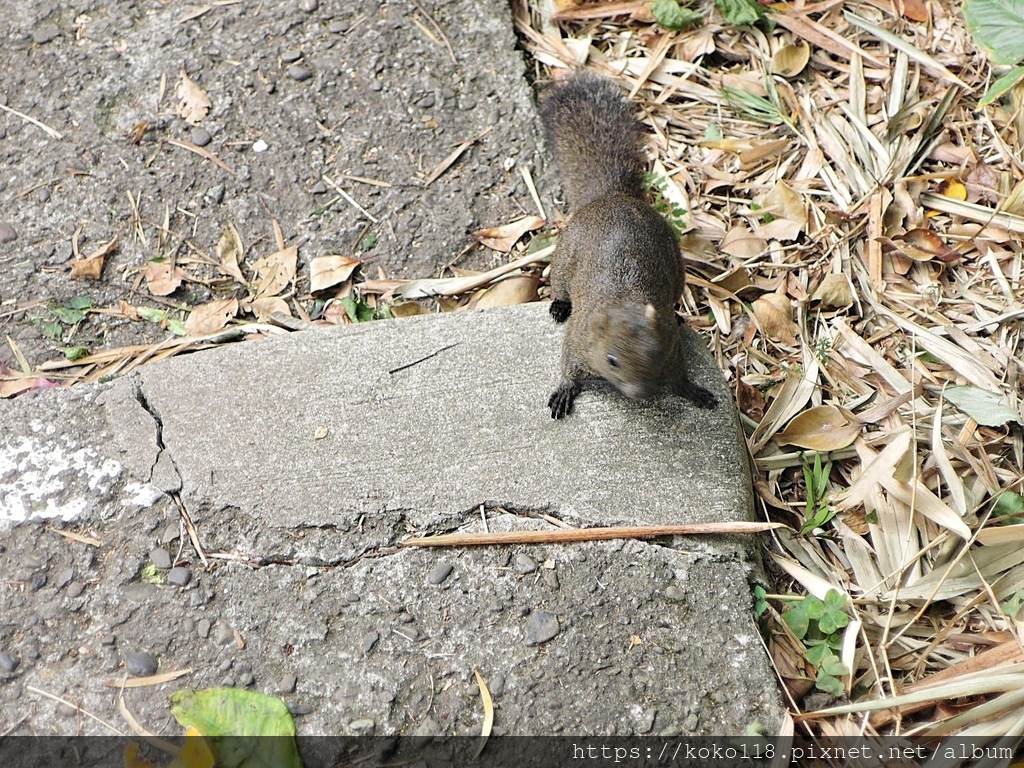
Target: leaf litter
[(855, 253), (875, 336)]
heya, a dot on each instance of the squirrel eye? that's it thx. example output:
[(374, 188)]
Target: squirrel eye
[(613, 361)]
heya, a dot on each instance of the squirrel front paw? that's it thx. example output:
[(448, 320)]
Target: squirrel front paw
[(697, 395), (560, 310), (561, 399)]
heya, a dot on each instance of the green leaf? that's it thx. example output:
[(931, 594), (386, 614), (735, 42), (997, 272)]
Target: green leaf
[(71, 313), (151, 314), (998, 27), (829, 684), (75, 353), (231, 720), (760, 601), (49, 329), (817, 653), (987, 408), (670, 15), (1008, 504), (815, 607), (177, 327), (798, 620), (739, 12), (1001, 86), (1011, 607)]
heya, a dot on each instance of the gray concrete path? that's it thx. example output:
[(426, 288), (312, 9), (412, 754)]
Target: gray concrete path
[(303, 460)]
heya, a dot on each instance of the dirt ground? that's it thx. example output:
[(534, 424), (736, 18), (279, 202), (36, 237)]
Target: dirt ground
[(374, 96)]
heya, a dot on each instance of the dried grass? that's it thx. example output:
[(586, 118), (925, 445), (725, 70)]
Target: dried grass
[(867, 154)]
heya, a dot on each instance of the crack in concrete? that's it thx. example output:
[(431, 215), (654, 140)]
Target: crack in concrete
[(162, 453)]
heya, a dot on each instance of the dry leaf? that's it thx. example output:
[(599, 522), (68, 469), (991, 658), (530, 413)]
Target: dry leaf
[(782, 201), (408, 309), (163, 277), (328, 271), (91, 266), (953, 188), (266, 306), (195, 104), (742, 244), (785, 230), (822, 428), (774, 313), (520, 289), (921, 244), (210, 317), (9, 387), (791, 59), (507, 235), (834, 292), (230, 251), (275, 272)]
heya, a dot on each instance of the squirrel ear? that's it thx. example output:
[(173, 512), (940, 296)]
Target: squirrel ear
[(650, 313)]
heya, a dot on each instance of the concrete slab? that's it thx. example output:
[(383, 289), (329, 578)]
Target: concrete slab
[(304, 459)]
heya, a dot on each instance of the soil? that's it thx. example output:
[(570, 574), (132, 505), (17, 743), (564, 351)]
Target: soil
[(373, 95)]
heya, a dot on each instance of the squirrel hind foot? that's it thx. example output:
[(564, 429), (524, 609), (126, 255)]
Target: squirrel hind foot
[(562, 398), (560, 310)]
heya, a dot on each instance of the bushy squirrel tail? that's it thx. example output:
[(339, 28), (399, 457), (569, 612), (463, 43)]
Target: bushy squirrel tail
[(596, 139)]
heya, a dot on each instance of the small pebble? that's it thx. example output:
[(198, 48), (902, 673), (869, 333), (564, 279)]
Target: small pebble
[(7, 233), (78, 165), (308, 5), (215, 194), (246, 679), (363, 727), (674, 593), (161, 559), (426, 101), (260, 146), (66, 710), (441, 572), (227, 682), (541, 627), (525, 564), (62, 253), (179, 577), (287, 684), (319, 188), (45, 33), (139, 664), (42, 195), (171, 532), (9, 662), (201, 137), (369, 640), (37, 582), (337, 26), (550, 579), (297, 709), (291, 55), (299, 72), (75, 588), (203, 628), (63, 577), (224, 634), (352, 597)]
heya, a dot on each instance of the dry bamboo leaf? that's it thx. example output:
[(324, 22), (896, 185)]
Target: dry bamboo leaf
[(275, 272), (782, 201), (507, 235), (163, 277), (884, 464), (992, 535), (519, 289), (328, 271), (408, 309), (91, 266), (211, 317), (927, 503), (790, 60), (230, 251), (784, 230), (774, 314), (834, 292), (194, 104), (813, 583), (922, 244), (985, 407), (742, 243), (821, 428), (488, 703), (950, 477)]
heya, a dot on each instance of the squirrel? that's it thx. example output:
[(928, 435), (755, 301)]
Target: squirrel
[(617, 270)]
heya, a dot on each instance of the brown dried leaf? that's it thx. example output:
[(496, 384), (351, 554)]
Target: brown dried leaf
[(91, 266), (741, 243), (275, 272), (210, 317), (230, 250), (774, 313), (782, 201), (822, 428), (266, 306), (790, 60), (834, 292), (195, 104), (953, 188), (507, 235), (408, 309), (328, 271), (921, 244), (163, 277), (520, 289)]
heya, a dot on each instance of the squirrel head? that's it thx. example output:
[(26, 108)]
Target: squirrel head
[(626, 348)]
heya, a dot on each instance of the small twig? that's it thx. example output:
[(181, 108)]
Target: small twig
[(77, 708), (528, 178), (445, 164), (437, 28), (201, 152), (193, 534), (23, 116), (417, 362), (349, 200), (587, 534)]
